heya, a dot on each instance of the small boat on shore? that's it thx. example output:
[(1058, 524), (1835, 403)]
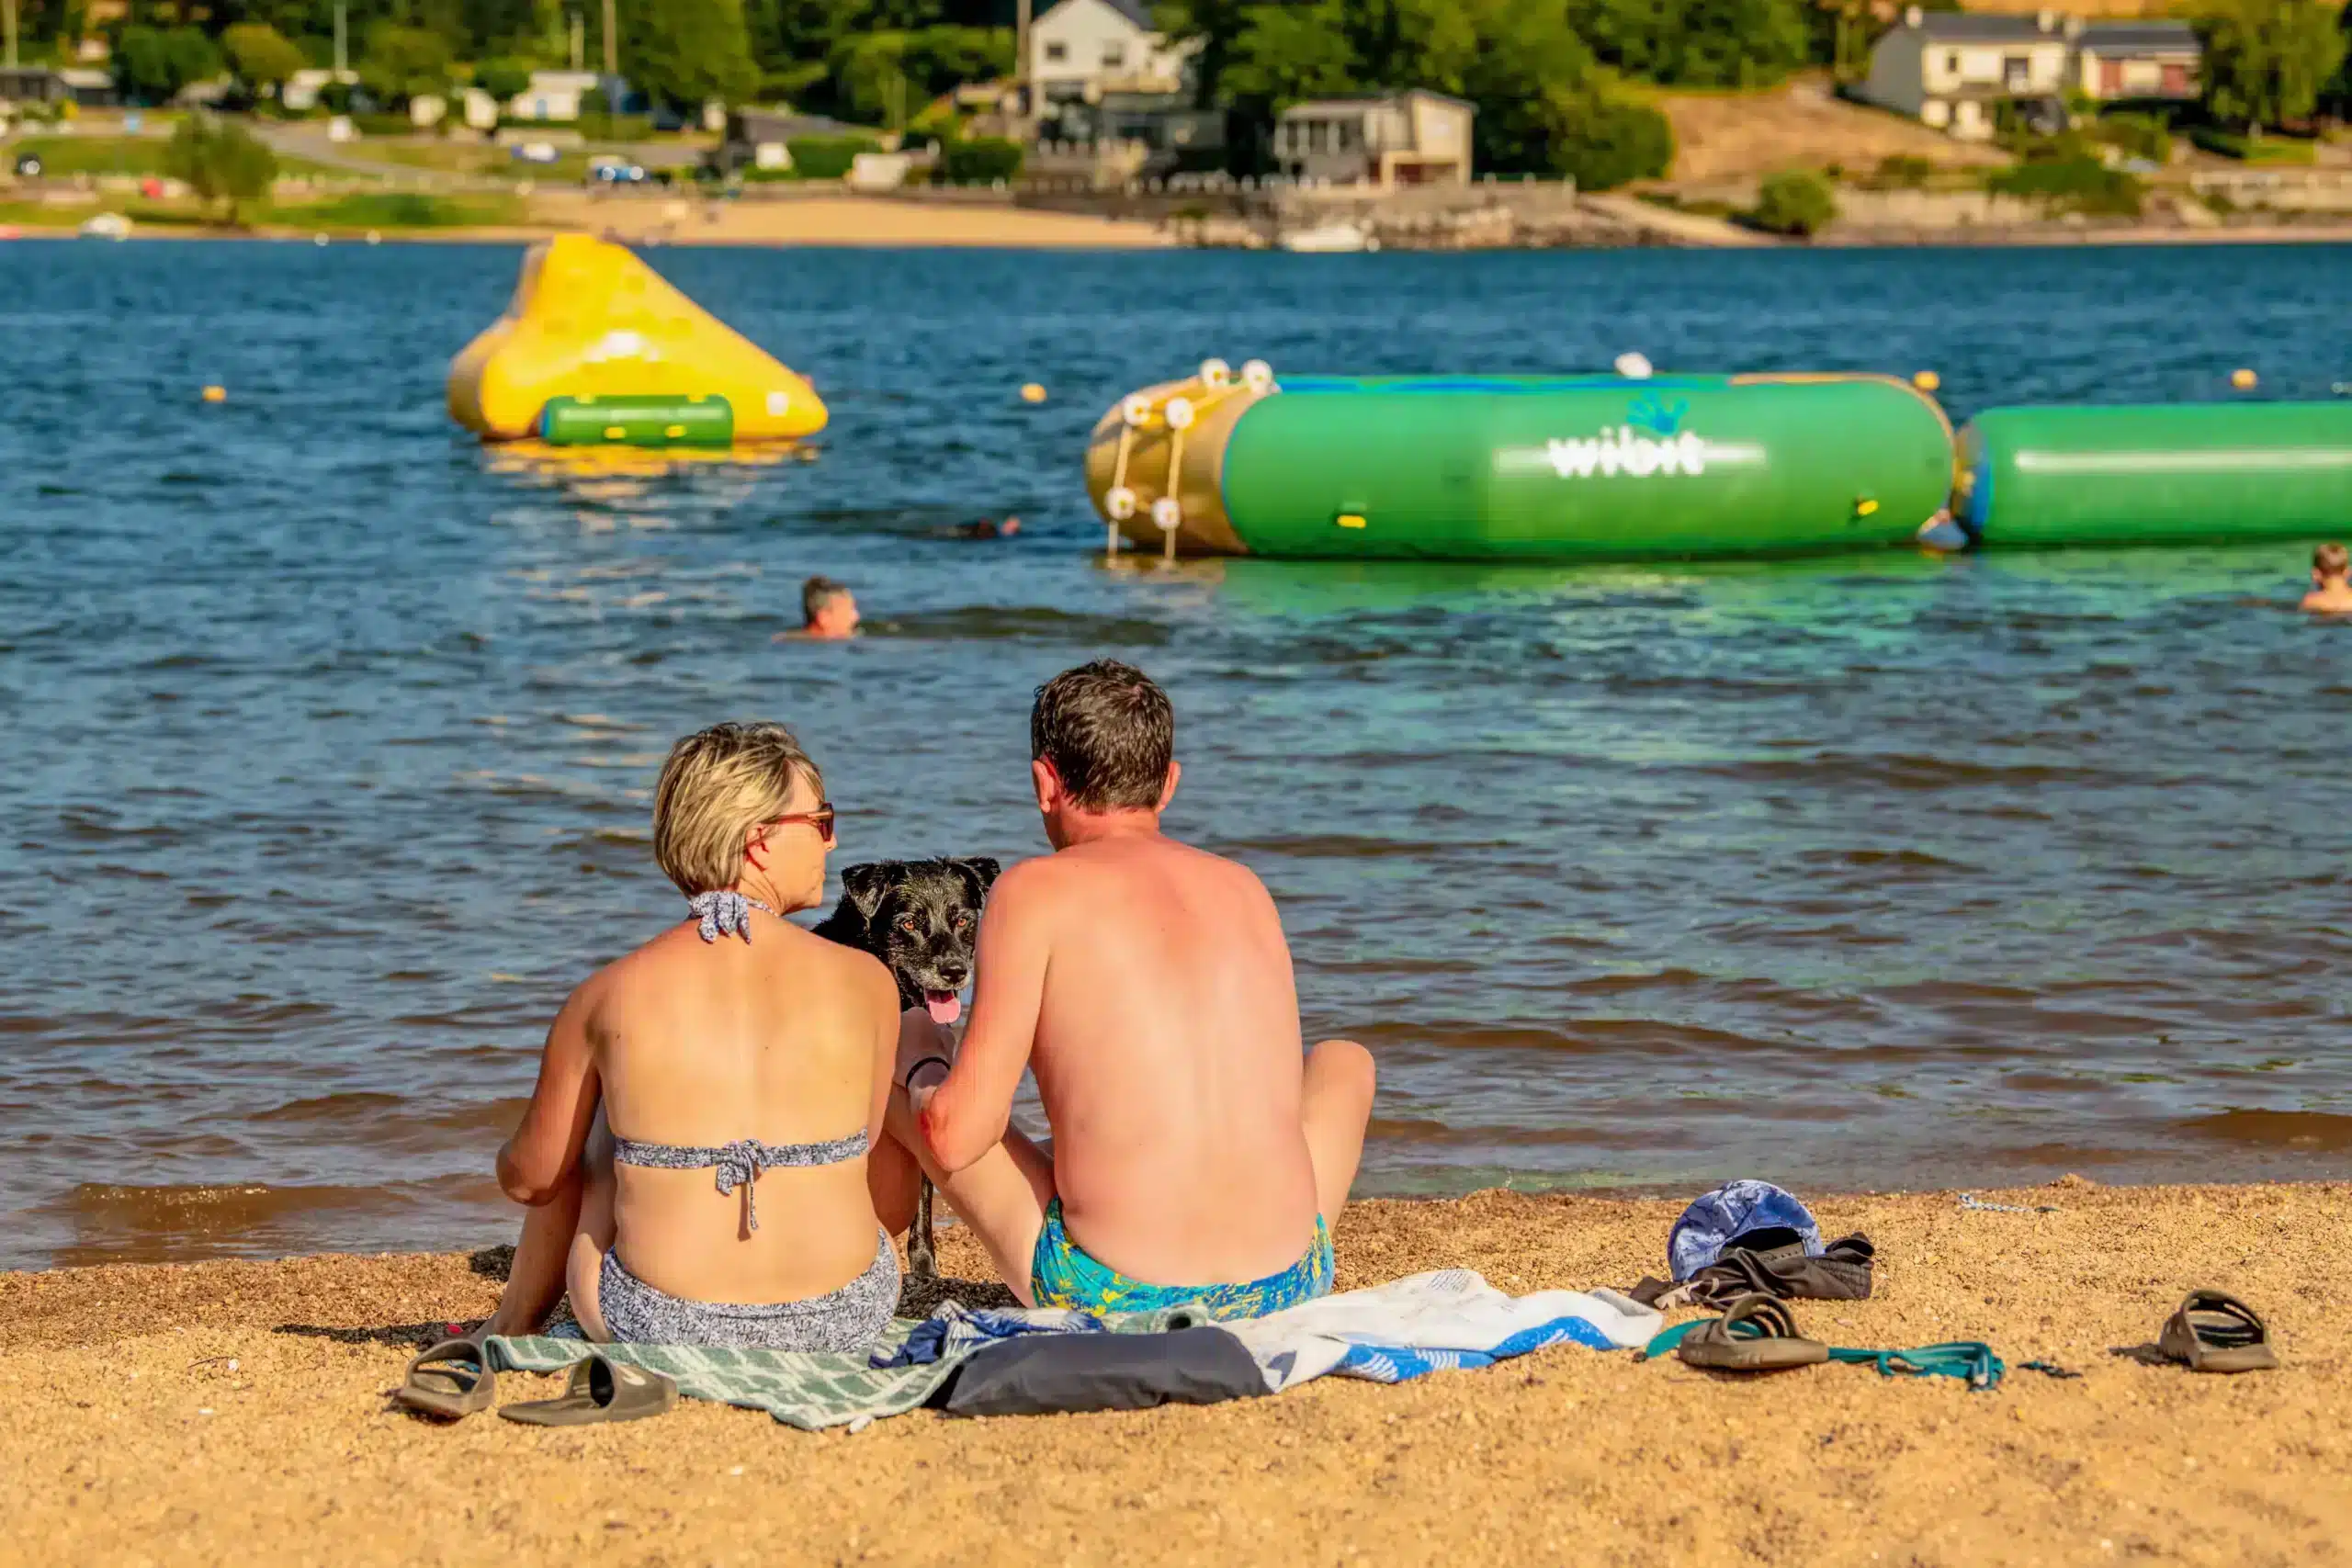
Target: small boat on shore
[(1336, 237)]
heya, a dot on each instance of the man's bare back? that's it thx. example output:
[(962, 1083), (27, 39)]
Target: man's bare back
[(1149, 984), (1167, 1055)]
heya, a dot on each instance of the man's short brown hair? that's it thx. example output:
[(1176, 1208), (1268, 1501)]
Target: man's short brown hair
[(2332, 560), (1109, 731), (818, 593)]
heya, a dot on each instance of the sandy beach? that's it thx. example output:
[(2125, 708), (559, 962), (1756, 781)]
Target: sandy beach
[(237, 1411)]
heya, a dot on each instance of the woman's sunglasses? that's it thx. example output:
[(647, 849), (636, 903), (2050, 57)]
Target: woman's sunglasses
[(821, 819)]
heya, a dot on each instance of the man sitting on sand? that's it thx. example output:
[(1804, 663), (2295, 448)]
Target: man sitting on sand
[(827, 610), (2331, 592), (1198, 1153)]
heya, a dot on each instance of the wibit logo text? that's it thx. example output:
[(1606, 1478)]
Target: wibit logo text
[(1617, 450)]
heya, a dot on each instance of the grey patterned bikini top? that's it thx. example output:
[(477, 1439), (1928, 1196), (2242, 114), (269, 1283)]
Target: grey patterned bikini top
[(737, 1164)]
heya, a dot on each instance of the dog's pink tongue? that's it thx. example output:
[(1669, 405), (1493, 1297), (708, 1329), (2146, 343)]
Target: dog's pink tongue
[(944, 1007)]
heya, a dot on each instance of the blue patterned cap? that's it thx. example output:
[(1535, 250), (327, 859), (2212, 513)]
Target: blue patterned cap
[(1735, 1209)]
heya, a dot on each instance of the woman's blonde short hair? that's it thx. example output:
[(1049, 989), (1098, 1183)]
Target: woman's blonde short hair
[(718, 785)]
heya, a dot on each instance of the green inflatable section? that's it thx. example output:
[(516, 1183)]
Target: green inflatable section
[(2157, 474), (1561, 468), (637, 421)]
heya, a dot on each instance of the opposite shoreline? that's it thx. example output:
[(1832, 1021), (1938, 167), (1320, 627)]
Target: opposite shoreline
[(187, 1413), (882, 222)]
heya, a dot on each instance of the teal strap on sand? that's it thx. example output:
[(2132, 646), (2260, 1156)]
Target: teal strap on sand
[(1970, 1358), (1671, 1338)]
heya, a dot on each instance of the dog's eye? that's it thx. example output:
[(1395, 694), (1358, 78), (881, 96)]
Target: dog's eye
[(963, 920), (906, 924)]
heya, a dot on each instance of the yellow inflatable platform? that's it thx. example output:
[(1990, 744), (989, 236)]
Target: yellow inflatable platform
[(590, 321)]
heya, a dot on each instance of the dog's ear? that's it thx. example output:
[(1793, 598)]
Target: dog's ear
[(863, 886), (980, 868)]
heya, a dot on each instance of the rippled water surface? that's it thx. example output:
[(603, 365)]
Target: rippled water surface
[(329, 737)]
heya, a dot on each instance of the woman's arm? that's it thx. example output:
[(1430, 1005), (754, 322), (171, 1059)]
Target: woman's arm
[(545, 1148)]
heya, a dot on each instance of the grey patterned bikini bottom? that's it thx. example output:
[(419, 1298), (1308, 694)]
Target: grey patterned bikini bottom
[(848, 1319)]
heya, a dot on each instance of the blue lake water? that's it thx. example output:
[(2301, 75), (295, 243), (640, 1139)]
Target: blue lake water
[(329, 737)]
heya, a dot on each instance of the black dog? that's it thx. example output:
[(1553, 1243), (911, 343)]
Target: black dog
[(921, 919)]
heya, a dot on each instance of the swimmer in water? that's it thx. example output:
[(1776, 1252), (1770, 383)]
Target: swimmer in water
[(986, 528), (828, 612), (2331, 592)]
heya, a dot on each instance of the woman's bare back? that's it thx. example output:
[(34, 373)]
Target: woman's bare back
[(786, 1038)]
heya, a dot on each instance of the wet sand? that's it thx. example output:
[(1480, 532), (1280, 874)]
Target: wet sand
[(209, 1412)]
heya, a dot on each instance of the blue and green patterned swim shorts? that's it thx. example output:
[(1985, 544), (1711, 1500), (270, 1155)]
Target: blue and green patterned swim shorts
[(1062, 1275)]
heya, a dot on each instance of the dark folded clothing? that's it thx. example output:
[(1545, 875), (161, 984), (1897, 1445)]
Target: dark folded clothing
[(1053, 1373), (1842, 1273)]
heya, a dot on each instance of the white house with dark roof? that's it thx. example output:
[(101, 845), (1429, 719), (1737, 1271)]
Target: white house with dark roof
[(1947, 68), (2137, 60), (1083, 49)]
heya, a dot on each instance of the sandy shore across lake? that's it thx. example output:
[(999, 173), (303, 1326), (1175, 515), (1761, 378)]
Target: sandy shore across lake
[(233, 1412)]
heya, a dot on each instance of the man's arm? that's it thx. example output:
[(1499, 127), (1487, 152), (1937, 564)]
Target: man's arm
[(545, 1149), (967, 1115)]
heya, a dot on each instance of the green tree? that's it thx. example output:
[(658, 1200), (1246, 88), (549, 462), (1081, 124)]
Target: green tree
[(2339, 92), (1737, 43), (261, 56), (1796, 202), (503, 78), (404, 62), (220, 162), (152, 65), (1697, 43), (1522, 55), (2267, 60), (685, 52), (1603, 137), (1286, 54)]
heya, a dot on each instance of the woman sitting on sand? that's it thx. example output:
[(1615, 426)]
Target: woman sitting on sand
[(742, 1064)]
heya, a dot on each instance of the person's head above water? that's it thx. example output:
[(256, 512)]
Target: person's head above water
[(1102, 752), (741, 808), (2329, 563), (827, 608)]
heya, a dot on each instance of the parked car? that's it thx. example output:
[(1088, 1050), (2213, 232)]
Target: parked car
[(535, 152), (612, 171)]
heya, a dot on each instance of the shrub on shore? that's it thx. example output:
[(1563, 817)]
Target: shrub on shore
[(982, 161), (2079, 183), (2252, 148), (824, 157), (1795, 202), (2137, 136), (1603, 137), (402, 209)]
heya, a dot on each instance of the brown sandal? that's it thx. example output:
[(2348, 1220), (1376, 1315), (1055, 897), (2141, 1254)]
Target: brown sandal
[(600, 1390), (2217, 1332), (1754, 1333), (450, 1381)]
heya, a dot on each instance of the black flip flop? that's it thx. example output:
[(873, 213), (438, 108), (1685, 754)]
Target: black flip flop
[(2217, 1332), (600, 1390), (1754, 1333), (450, 1381)]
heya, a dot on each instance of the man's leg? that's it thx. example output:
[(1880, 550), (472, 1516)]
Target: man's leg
[(1334, 1108), (1002, 1195)]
